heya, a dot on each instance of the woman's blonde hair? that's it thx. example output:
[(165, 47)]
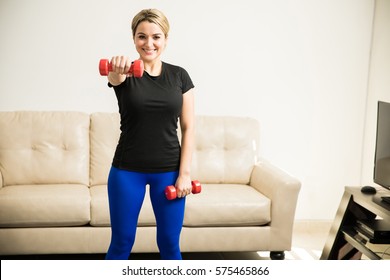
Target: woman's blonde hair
[(153, 16)]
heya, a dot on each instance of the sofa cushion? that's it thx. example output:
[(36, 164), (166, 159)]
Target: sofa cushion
[(44, 205), (227, 205), (226, 149), (44, 148), (100, 215)]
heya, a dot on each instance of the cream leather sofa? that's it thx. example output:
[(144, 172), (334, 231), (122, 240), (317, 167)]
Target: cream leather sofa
[(53, 198)]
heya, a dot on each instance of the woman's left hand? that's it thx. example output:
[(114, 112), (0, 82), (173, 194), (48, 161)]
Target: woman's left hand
[(183, 186)]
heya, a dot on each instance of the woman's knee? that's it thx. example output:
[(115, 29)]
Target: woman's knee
[(169, 247)]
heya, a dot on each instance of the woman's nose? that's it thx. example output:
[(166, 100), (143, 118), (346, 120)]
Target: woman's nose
[(149, 41)]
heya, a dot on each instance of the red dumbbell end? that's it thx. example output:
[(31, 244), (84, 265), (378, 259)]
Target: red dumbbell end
[(196, 187), (170, 192), (104, 67), (137, 68)]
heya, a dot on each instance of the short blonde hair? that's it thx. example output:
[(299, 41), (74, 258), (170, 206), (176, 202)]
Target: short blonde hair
[(153, 16)]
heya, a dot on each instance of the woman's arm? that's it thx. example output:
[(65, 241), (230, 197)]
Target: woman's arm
[(187, 125)]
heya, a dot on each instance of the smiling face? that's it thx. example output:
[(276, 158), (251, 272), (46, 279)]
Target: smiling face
[(150, 41)]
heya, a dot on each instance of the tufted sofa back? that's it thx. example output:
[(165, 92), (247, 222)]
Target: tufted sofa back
[(44, 148), (105, 131), (226, 149), (77, 148)]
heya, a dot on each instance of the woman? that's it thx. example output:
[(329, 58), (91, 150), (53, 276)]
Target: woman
[(148, 151)]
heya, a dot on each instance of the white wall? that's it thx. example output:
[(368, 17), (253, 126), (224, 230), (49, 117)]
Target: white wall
[(299, 67), (379, 84)]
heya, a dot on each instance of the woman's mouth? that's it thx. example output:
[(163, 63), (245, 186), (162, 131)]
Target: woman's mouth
[(149, 52)]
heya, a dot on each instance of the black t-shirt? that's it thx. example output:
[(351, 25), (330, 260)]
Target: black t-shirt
[(149, 108)]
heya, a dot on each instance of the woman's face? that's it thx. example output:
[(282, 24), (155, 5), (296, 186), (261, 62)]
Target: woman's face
[(149, 41)]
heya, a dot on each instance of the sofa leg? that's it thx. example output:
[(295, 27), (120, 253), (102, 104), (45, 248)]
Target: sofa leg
[(276, 255)]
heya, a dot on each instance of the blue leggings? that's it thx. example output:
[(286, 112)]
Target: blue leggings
[(126, 192)]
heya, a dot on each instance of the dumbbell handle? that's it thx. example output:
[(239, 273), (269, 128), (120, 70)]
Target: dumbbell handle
[(171, 192), (136, 68)]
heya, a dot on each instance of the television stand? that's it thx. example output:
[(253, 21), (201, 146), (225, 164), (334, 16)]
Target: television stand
[(344, 241), (386, 199)]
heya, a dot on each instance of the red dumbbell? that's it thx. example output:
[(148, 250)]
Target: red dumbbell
[(170, 191), (136, 68)]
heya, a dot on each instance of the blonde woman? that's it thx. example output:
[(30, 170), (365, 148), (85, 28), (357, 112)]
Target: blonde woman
[(148, 151)]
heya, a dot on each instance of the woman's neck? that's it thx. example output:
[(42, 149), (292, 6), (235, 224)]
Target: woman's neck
[(153, 68)]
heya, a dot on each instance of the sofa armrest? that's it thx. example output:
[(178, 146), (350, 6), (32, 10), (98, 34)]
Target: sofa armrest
[(282, 189)]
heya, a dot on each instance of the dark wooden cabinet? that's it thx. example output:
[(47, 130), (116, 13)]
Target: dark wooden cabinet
[(344, 240)]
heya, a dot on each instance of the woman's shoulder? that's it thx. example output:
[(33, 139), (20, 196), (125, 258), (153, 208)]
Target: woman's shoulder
[(174, 68), (181, 74)]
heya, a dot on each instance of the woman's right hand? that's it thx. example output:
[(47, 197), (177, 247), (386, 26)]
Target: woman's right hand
[(120, 69)]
